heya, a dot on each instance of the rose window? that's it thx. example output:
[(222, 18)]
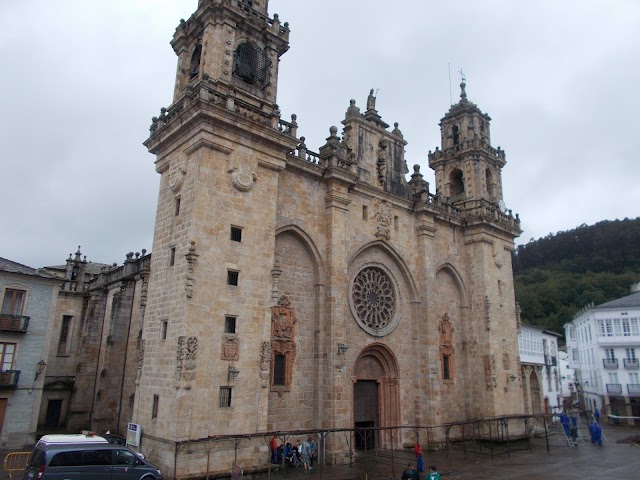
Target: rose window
[(373, 298)]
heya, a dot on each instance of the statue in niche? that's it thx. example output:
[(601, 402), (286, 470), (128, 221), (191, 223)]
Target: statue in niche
[(446, 331)]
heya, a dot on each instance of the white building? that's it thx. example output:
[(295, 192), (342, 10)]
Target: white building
[(568, 392), (603, 343), (540, 370), (28, 299)]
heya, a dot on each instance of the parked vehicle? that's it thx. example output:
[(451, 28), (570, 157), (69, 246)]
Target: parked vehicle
[(78, 457)]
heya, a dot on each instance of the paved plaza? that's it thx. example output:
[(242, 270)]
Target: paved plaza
[(619, 461), (524, 461)]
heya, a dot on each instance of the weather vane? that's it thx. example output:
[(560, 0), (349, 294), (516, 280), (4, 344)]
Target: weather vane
[(462, 76)]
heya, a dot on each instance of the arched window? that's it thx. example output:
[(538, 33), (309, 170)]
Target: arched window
[(457, 182), (194, 66), (251, 64), (455, 131), (490, 185)]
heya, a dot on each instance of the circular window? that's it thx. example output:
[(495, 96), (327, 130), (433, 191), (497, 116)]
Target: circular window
[(373, 301)]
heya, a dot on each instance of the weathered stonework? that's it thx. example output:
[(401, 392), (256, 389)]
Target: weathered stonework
[(383, 279)]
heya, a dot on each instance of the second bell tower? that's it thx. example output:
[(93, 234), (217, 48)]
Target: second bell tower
[(467, 167)]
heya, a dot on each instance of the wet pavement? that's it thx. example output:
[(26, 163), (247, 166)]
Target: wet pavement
[(620, 461), (523, 461)]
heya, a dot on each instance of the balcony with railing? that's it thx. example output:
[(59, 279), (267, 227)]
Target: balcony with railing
[(633, 388), (9, 378), (610, 363), (14, 323), (614, 388), (631, 364)]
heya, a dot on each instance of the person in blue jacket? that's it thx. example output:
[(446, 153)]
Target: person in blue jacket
[(566, 423), (596, 433)]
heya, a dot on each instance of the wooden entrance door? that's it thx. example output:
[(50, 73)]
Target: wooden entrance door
[(366, 413)]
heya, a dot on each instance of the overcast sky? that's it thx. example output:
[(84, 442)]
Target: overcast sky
[(81, 80)]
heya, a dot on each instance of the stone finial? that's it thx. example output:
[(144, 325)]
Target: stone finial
[(396, 131), (463, 92), (352, 111), (302, 148)]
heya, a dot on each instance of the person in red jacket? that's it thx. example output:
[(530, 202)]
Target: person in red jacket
[(274, 449), (419, 457)]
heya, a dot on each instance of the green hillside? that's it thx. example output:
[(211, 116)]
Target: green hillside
[(559, 274)]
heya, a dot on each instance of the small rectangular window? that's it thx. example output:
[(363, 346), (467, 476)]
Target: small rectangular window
[(396, 222), (163, 329), (279, 369), (154, 409), (365, 212), (229, 324), (236, 234), (232, 277), (13, 302), (7, 354), (446, 370), (172, 256), (225, 397), (64, 334), (176, 206)]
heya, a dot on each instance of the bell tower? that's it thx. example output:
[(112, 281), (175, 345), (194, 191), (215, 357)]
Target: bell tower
[(220, 149), (467, 167), (234, 46)]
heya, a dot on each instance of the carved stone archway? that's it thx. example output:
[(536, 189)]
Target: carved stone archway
[(376, 393)]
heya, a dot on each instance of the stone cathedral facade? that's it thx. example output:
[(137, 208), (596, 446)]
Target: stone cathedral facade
[(293, 289)]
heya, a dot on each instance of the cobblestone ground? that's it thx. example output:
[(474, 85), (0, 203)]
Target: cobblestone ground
[(524, 461)]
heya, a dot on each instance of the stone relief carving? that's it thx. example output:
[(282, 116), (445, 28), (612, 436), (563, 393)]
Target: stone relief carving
[(506, 361), (230, 349), (383, 219), (446, 344), (487, 313), (265, 363), (382, 161), (490, 371), (186, 360), (275, 275), (242, 181), (191, 257), (176, 179), (283, 332), (446, 331), (140, 360)]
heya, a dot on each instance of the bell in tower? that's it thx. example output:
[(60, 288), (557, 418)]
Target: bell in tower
[(234, 47), (467, 167)]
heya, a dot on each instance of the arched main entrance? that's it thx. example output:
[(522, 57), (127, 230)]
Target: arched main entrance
[(376, 396)]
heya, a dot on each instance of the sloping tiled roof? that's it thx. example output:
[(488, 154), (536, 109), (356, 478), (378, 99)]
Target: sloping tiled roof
[(15, 267), (632, 300)]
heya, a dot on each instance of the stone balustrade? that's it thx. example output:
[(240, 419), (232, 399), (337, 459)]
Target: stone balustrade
[(202, 91), (465, 146)]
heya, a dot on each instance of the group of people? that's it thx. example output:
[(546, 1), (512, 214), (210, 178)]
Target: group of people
[(413, 471), (570, 426), (302, 453)]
